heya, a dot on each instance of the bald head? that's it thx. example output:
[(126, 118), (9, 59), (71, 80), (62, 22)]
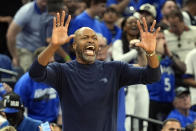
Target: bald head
[(85, 45), (80, 32)]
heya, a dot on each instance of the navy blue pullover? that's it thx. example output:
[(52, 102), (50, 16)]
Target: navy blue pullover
[(89, 93)]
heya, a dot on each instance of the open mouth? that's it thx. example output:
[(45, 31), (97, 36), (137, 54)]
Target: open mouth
[(134, 28), (90, 50)]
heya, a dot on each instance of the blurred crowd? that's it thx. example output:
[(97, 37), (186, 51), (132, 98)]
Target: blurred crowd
[(26, 29)]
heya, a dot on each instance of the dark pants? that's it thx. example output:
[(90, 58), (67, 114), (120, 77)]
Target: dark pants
[(158, 111)]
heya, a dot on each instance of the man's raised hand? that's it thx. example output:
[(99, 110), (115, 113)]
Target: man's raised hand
[(148, 39), (59, 32)]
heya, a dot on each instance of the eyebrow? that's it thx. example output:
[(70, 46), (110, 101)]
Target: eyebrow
[(89, 35), (172, 129)]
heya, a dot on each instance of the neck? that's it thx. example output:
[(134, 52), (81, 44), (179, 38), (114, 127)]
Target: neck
[(110, 25), (91, 12), (83, 62), (180, 30), (185, 112)]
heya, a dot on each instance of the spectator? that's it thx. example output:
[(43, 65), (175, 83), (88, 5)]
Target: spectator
[(137, 98), (87, 19), (162, 92), (110, 17), (182, 105), (89, 101), (167, 7), (103, 48), (14, 112), (171, 125), (189, 12), (123, 6), (149, 12), (180, 38), (41, 100), (190, 75), (23, 36), (46, 28)]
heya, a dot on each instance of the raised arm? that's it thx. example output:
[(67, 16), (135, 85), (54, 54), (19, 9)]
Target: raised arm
[(121, 5), (59, 37), (148, 42)]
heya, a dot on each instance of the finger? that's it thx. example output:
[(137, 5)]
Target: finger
[(145, 25), (67, 22), (58, 19), (62, 18), (70, 37), (153, 25), (157, 31), (54, 23), (139, 27), (139, 45)]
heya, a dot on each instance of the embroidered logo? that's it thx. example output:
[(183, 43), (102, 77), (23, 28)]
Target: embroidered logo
[(104, 80)]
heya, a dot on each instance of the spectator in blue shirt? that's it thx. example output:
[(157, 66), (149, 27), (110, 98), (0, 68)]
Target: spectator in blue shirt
[(182, 104), (87, 19), (41, 100), (123, 6), (109, 19), (14, 111)]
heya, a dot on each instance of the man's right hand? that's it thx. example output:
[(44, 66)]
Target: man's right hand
[(59, 33)]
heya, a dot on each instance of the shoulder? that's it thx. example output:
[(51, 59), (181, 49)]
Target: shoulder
[(174, 114), (117, 42), (83, 16), (24, 13), (32, 121), (25, 78), (27, 7)]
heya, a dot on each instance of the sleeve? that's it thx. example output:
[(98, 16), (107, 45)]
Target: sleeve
[(21, 88), (118, 34), (22, 17), (48, 74), (189, 64), (76, 24), (117, 52), (111, 2), (130, 75)]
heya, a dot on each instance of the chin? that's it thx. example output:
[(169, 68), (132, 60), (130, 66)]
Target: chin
[(89, 59)]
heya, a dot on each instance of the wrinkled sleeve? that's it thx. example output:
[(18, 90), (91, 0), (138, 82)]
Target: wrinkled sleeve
[(48, 74), (130, 75)]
